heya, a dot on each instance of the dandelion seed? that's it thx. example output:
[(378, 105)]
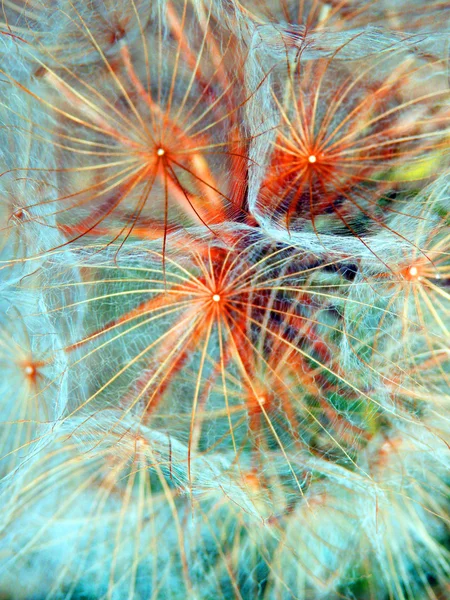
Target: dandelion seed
[(350, 125)]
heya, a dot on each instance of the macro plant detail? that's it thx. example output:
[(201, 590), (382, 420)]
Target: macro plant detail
[(224, 299), (342, 151)]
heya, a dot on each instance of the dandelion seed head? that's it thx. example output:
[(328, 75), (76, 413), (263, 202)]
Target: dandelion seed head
[(229, 341)]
